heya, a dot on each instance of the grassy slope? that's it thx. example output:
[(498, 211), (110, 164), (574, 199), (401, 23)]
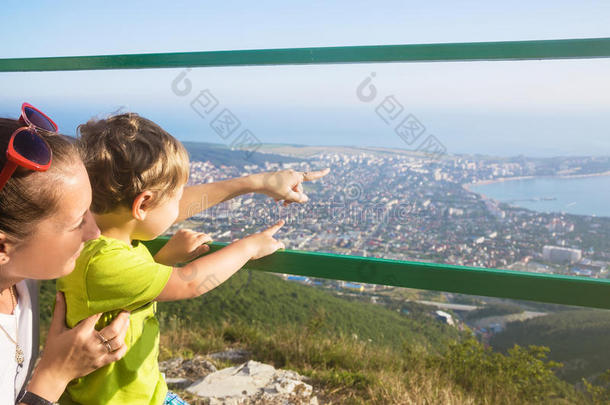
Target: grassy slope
[(577, 338), (266, 299), (412, 359)]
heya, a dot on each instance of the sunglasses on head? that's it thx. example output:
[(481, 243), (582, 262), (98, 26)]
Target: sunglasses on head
[(26, 147)]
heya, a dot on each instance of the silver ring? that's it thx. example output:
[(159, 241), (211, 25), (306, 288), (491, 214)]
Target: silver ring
[(102, 338), (108, 346)]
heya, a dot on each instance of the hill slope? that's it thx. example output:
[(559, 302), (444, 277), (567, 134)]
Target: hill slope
[(410, 359), (220, 154), (266, 299), (578, 339)]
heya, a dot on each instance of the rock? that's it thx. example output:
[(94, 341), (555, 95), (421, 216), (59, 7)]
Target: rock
[(234, 381), (171, 364), (254, 383), (232, 355), (198, 366), (178, 382), (192, 369)]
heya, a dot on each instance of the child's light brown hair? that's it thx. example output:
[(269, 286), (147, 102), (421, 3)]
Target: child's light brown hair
[(127, 154)]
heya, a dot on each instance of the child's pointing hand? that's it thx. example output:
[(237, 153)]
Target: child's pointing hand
[(263, 243), (183, 247), (286, 185)]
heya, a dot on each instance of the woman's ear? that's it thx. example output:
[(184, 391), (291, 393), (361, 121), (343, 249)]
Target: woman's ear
[(142, 204), (5, 248)]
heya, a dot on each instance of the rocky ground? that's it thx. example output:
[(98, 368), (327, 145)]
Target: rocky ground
[(247, 383)]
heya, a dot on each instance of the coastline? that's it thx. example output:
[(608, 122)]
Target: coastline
[(484, 197), (467, 186)]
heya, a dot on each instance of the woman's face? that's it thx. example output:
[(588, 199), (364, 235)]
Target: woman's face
[(51, 251)]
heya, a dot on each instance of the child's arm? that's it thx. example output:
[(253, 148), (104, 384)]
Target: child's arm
[(183, 247), (203, 196), (281, 185), (207, 272)]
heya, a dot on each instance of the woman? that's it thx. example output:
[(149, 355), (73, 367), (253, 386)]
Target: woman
[(44, 220)]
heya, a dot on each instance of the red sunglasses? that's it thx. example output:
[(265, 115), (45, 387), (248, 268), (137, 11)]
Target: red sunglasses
[(27, 148)]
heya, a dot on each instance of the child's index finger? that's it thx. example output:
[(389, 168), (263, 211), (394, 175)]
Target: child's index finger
[(205, 236), (310, 176), (275, 227)]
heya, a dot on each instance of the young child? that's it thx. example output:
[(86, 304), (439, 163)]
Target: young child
[(138, 173)]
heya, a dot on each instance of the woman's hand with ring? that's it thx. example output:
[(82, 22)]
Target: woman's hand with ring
[(76, 352)]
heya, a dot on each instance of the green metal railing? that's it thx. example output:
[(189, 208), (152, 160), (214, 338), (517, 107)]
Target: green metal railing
[(473, 51), (430, 276), (557, 289)]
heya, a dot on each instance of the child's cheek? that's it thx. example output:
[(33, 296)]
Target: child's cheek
[(175, 212)]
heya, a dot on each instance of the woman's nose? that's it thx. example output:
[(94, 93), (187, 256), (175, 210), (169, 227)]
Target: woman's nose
[(91, 229)]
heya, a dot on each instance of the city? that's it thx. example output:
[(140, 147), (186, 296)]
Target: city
[(401, 205)]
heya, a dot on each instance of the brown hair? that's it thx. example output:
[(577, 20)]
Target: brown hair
[(30, 196), (127, 154)]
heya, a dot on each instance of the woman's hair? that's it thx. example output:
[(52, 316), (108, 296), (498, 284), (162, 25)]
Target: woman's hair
[(127, 154), (30, 196)]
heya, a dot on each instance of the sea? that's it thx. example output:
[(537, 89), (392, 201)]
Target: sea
[(581, 195)]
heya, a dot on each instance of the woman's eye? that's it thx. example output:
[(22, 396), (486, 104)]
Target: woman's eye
[(80, 226)]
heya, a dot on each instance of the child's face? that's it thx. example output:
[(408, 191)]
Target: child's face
[(159, 218)]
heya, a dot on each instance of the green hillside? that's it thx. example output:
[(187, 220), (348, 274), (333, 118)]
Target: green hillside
[(220, 154), (409, 358), (265, 299), (577, 338)]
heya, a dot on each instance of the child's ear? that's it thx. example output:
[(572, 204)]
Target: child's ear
[(142, 204)]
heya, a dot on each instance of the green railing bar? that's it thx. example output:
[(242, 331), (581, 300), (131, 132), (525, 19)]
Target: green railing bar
[(557, 289), (473, 51)]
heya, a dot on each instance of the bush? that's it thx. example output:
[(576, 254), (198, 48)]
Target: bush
[(523, 373)]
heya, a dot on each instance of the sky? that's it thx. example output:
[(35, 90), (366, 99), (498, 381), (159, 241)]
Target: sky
[(535, 108)]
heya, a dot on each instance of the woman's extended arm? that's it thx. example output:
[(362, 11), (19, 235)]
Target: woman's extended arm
[(73, 353)]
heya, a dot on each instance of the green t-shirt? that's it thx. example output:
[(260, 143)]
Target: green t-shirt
[(111, 275)]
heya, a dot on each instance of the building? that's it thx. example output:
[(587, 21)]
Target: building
[(352, 286), (561, 255), (445, 317), (589, 268), (298, 279)]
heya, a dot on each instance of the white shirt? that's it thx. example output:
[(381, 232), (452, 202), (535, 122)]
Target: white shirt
[(12, 376)]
